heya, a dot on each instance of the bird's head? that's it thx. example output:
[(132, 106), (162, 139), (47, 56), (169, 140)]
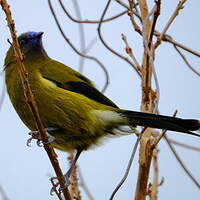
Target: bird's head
[(30, 42)]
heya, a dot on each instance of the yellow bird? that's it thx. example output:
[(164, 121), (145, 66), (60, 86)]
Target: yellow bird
[(72, 110)]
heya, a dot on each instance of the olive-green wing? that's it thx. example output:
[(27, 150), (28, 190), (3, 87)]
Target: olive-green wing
[(69, 79)]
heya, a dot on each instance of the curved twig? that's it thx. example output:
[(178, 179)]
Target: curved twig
[(186, 61), (76, 50), (90, 21), (181, 162), (107, 46), (128, 166)]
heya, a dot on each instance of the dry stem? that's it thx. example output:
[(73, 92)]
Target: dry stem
[(31, 100), (173, 16)]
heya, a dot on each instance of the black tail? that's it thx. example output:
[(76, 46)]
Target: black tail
[(162, 122)]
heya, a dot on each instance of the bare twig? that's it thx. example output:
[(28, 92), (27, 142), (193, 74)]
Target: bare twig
[(107, 46), (84, 186), (29, 97), (131, 14), (154, 20), (166, 37), (74, 186), (173, 16), (130, 52), (181, 162), (90, 21), (54, 189), (183, 145), (76, 50), (128, 166), (154, 187), (186, 61)]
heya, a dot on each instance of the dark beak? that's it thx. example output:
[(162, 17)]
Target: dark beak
[(39, 34)]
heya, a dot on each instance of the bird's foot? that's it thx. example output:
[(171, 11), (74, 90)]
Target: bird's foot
[(56, 184), (36, 135)]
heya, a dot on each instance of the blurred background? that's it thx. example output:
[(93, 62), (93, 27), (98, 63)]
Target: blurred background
[(25, 171)]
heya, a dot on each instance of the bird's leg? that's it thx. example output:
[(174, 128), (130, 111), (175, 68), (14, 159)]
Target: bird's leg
[(36, 135), (67, 175)]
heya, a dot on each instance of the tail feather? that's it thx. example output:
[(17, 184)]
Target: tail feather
[(162, 122)]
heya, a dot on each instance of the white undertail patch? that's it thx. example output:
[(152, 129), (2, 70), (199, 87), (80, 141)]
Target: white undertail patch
[(109, 117)]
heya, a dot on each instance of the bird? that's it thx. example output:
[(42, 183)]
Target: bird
[(73, 111)]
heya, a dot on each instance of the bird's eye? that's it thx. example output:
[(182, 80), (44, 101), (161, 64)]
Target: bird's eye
[(23, 41)]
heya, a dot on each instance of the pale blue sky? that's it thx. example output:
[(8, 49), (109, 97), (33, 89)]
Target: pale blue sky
[(24, 170)]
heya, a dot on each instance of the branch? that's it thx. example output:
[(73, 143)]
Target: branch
[(154, 186), (186, 61), (74, 186), (131, 14), (90, 21), (183, 145), (107, 46), (169, 23), (31, 100), (148, 98), (181, 162), (129, 165)]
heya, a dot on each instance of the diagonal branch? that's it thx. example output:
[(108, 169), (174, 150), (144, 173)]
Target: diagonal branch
[(31, 100), (181, 162)]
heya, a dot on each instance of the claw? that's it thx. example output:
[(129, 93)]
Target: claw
[(55, 185), (50, 139), (36, 135), (39, 143)]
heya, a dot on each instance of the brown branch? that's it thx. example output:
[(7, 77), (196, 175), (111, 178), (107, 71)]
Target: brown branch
[(166, 37), (169, 23), (76, 50), (31, 100), (181, 162), (74, 186), (129, 51), (154, 186), (148, 102), (90, 21), (131, 14), (107, 46), (154, 20), (54, 189), (187, 146)]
